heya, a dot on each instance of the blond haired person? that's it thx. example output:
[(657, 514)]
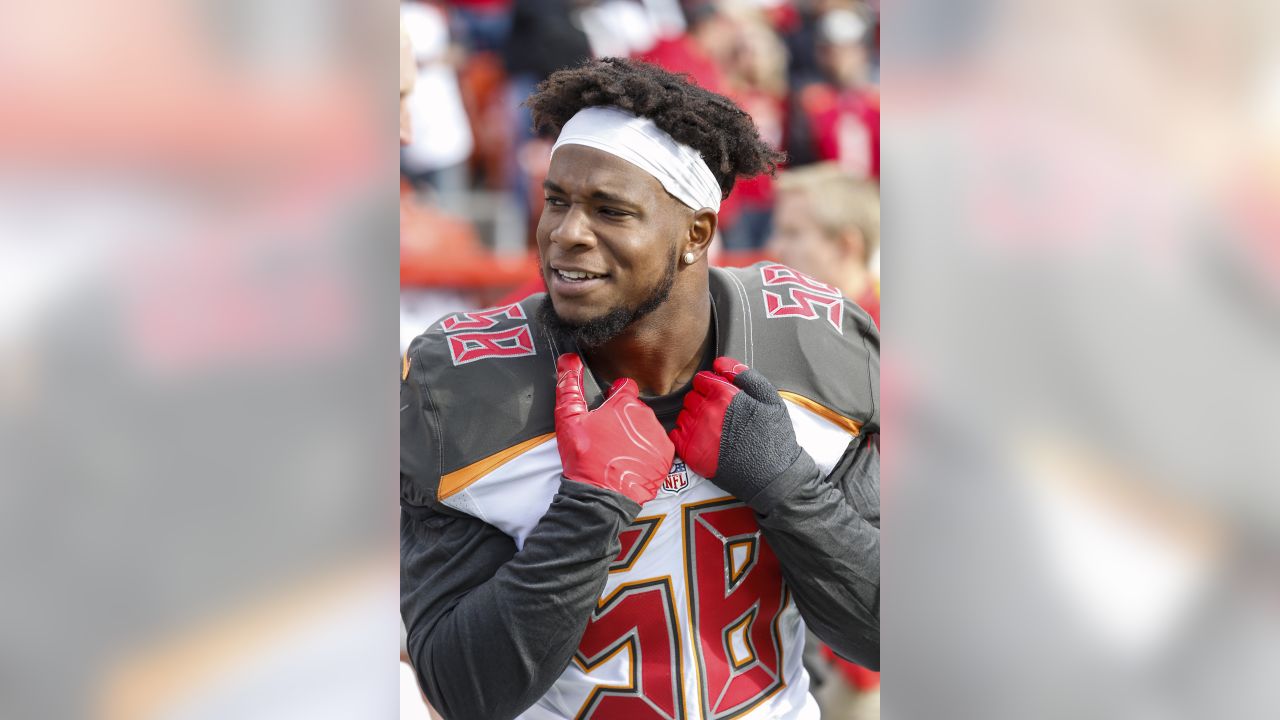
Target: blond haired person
[(826, 224)]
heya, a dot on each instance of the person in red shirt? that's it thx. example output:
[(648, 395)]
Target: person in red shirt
[(844, 109), (826, 224), (702, 52)]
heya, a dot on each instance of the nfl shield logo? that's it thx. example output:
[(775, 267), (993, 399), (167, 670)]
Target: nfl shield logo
[(677, 478)]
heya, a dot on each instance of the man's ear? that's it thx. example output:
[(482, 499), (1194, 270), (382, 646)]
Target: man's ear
[(701, 231), (853, 246)]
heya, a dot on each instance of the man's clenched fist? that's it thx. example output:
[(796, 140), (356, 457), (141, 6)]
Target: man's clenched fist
[(734, 428), (619, 446)]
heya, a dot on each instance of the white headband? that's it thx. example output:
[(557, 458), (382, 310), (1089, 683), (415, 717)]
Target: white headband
[(640, 142)]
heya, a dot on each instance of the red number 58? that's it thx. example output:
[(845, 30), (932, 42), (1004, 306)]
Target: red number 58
[(735, 597)]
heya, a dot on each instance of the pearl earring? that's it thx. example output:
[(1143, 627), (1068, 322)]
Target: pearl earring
[(689, 257)]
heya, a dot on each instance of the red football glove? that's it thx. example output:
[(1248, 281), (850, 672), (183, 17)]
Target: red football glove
[(735, 428), (619, 446)]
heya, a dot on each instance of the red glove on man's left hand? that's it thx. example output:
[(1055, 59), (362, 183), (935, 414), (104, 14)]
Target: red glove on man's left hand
[(619, 446), (734, 428)]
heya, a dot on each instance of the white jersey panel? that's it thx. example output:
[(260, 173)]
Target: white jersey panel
[(822, 439), (515, 496)]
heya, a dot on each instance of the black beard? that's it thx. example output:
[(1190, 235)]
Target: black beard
[(599, 331)]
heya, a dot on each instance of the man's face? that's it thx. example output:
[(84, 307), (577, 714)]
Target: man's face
[(798, 241), (608, 218), (845, 63), (717, 35)]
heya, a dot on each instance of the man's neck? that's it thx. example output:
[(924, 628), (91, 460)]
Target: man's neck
[(855, 282), (661, 352)]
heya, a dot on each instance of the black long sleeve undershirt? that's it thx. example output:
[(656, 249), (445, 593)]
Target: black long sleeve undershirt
[(826, 534), (491, 629)]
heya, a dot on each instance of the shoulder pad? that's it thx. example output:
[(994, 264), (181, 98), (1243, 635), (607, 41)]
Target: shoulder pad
[(474, 385), (816, 346)]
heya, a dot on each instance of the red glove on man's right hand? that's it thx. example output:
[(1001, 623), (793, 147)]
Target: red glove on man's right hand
[(619, 446)]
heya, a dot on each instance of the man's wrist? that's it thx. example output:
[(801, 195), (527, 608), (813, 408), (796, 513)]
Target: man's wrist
[(774, 492)]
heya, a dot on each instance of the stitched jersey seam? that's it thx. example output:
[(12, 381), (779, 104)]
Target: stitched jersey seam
[(746, 317)]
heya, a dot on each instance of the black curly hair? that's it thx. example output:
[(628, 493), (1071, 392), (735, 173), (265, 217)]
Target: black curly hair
[(712, 124)]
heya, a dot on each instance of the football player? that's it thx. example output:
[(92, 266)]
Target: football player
[(627, 497)]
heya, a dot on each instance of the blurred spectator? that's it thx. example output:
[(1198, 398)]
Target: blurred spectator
[(756, 75), (838, 115), (441, 143), (703, 52), (827, 224), (850, 693), (484, 24), (618, 28), (544, 38)]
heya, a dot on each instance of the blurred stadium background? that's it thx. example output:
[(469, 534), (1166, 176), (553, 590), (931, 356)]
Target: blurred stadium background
[(471, 179)]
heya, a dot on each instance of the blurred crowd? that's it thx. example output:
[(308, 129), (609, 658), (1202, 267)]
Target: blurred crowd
[(806, 70), (472, 167)]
